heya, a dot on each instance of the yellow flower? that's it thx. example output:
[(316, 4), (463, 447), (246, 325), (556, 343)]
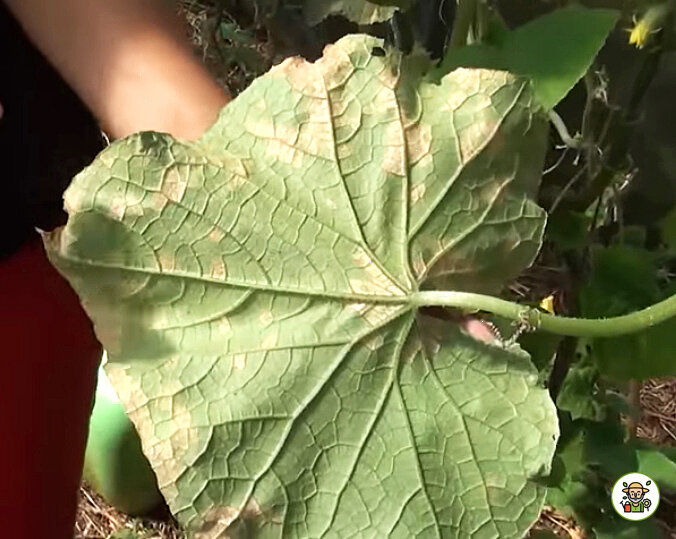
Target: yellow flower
[(650, 23), (639, 34), (547, 304)]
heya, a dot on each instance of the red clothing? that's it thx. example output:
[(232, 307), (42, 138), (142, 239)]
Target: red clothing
[(48, 354), (48, 373)]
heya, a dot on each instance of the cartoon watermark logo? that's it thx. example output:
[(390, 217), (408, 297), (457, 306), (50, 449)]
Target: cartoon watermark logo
[(635, 496)]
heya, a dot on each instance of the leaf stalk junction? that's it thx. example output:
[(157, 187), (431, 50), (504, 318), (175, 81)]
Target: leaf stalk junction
[(535, 319)]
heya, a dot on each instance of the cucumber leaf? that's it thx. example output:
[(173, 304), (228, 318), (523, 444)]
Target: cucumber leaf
[(255, 293), (554, 50)]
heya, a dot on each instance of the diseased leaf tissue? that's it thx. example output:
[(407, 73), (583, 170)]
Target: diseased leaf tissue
[(253, 292)]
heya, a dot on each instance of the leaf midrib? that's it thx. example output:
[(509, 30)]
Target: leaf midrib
[(404, 299)]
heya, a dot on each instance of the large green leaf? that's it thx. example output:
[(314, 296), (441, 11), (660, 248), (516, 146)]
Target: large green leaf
[(623, 280), (254, 291), (554, 50), (359, 11)]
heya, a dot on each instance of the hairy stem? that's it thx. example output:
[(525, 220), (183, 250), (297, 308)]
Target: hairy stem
[(561, 325)]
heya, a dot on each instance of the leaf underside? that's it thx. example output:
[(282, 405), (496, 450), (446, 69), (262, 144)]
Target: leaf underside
[(253, 291)]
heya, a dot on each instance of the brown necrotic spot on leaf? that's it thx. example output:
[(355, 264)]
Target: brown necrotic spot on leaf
[(134, 210), (377, 283), (239, 362), (157, 201), (373, 314), (218, 270), (225, 522), (167, 263), (394, 160), (474, 138), (389, 76), (216, 521), (335, 67), (117, 208), (266, 317), (223, 326), (418, 265), (216, 235), (269, 342), (418, 192), (301, 77), (418, 143), (280, 151), (175, 182)]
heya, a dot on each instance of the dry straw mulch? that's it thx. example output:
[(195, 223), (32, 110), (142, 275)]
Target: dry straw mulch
[(98, 520), (658, 404)]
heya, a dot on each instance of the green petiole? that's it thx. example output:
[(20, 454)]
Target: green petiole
[(561, 325)]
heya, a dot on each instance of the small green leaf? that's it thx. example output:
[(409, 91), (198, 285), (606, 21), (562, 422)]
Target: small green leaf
[(255, 293), (359, 11), (579, 394), (654, 463), (554, 50)]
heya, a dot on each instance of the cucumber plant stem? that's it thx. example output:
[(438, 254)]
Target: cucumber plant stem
[(464, 18), (561, 325)]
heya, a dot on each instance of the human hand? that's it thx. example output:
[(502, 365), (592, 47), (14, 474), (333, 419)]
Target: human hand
[(128, 60)]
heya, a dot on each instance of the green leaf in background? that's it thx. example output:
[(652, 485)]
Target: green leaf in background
[(568, 230), (568, 491), (359, 11), (554, 50), (605, 447), (623, 280), (593, 455), (579, 394), (254, 293), (668, 230), (639, 356), (541, 348), (658, 466), (617, 528)]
